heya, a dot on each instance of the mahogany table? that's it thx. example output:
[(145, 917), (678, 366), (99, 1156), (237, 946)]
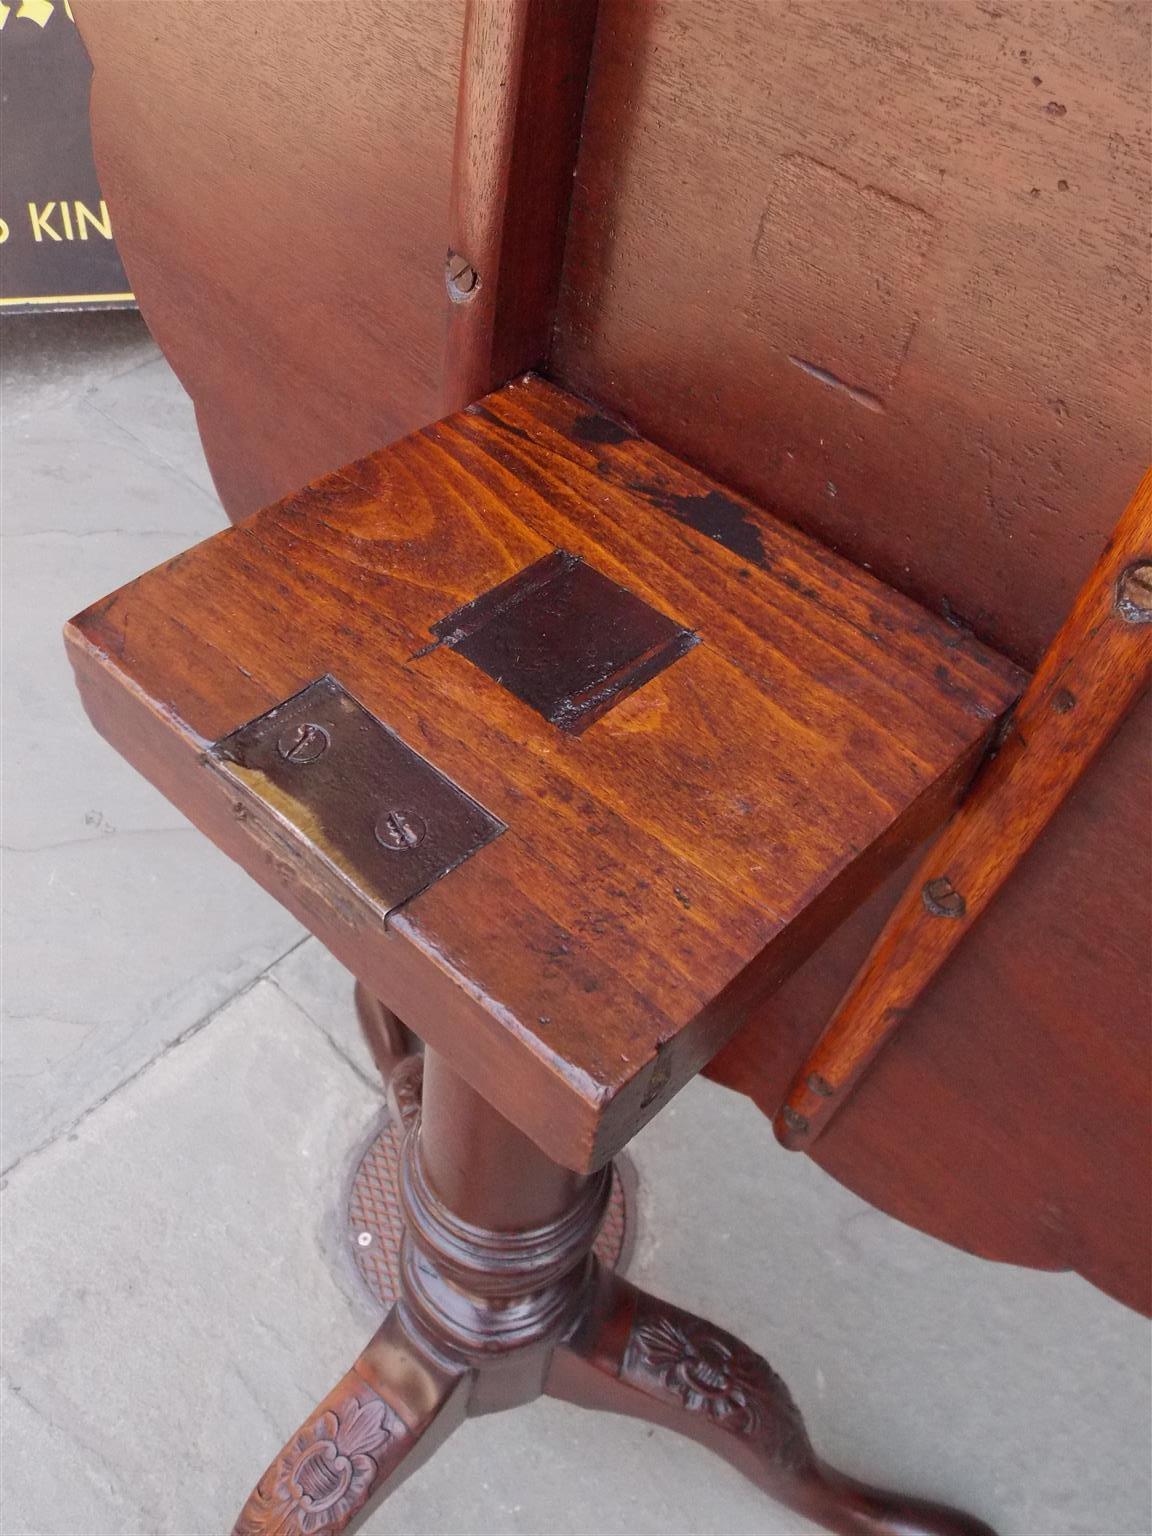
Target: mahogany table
[(594, 722)]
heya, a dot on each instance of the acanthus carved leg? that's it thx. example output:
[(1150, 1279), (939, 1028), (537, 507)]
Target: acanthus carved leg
[(382, 1420), (637, 1355)]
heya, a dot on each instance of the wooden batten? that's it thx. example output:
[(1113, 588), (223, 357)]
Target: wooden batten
[(523, 74)]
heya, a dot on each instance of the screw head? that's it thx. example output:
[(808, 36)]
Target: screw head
[(942, 899), (462, 278), (398, 831), (303, 743), (1134, 593)]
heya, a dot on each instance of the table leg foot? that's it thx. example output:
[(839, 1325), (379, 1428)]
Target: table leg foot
[(382, 1420), (637, 1355)]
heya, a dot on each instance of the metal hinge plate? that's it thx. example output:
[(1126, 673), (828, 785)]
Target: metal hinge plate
[(354, 793)]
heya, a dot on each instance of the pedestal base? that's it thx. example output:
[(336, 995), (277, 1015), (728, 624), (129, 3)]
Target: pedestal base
[(487, 1247), (376, 1218)]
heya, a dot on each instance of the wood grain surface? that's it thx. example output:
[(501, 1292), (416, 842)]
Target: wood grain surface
[(660, 870), (846, 253), (523, 74), (880, 264)]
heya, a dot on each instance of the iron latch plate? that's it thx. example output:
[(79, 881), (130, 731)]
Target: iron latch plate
[(565, 639), (355, 794)]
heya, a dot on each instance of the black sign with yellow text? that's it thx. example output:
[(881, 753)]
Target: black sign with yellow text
[(56, 246)]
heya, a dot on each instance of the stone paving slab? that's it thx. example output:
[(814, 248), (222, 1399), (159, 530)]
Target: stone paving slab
[(123, 928), (173, 1296)]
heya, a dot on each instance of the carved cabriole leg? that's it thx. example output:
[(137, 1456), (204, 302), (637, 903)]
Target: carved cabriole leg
[(636, 1355), (381, 1422)]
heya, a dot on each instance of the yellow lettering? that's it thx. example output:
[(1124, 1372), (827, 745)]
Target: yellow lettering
[(66, 216), (3, 222), (39, 11), (85, 216), (40, 224), (36, 10)]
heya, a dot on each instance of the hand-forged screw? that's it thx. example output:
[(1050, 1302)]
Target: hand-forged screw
[(399, 831), (942, 899), (303, 743), (462, 278), (1134, 593)]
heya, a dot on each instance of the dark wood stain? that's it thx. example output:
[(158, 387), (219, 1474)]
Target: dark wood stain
[(496, 1231), (715, 515), (598, 428)]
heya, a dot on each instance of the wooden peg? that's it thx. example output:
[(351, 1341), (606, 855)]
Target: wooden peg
[(1090, 676)]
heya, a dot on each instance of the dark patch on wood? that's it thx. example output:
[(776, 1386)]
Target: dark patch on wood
[(801, 588), (941, 898), (714, 515), (565, 639), (596, 428)]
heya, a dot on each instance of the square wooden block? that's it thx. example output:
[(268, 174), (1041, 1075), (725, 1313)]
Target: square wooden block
[(783, 729)]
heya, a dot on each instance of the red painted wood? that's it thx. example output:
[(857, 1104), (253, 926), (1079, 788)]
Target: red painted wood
[(288, 180), (490, 1316)]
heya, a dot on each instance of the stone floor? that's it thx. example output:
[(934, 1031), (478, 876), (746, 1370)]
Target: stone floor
[(184, 1095)]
